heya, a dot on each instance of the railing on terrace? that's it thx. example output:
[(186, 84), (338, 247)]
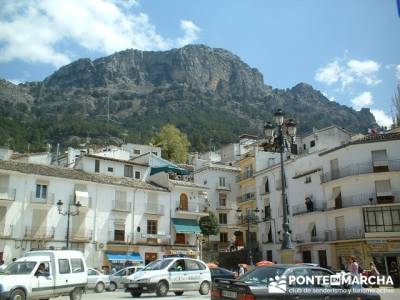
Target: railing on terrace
[(192, 207), (244, 176), (6, 231), (363, 168), (121, 205), (49, 199), (246, 197), (226, 187), (154, 209), (364, 199), (346, 234), (148, 238), (7, 194), (38, 232), (80, 235), (302, 208)]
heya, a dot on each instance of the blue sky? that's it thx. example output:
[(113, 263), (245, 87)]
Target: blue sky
[(347, 49)]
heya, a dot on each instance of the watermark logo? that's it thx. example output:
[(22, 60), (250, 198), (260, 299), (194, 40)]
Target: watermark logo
[(277, 285), (338, 283)]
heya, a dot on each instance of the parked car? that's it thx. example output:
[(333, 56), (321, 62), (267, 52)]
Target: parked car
[(45, 274), (175, 274), (271, 283), (97, 281), (118, 279), (221, 273)]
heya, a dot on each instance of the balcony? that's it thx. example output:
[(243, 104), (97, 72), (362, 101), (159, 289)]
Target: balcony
[(81, 235), (121, 206), (7, 195), (352, 233), (227, 206), (39, 233), (154, 209), (244, 176), (301, 209), (246, 197), (192, 208), (226, 187), (364, 199), (6, 231), (152, 239), (359, 169), (48, 200), (307, 238)]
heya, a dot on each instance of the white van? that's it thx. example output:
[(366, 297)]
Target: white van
[(45, 274)]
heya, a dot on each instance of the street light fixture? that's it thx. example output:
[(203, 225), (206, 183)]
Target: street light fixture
[(286, 130), (251, 218), (68, 213)]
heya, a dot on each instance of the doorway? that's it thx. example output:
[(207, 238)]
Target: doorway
[(306, 256), (323, 261)]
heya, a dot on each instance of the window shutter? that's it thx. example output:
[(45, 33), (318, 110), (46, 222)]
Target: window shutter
[(383, 188)]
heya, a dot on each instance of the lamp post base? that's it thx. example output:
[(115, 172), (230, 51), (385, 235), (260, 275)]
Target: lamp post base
[(287, 256)]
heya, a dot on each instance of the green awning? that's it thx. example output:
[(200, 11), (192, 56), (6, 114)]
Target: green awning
[(186, 226)]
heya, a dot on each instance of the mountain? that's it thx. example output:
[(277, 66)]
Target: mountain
[(209, 93)]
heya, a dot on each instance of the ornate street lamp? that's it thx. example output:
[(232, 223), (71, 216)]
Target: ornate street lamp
[(251, 218), (277, 136), (68, 213)]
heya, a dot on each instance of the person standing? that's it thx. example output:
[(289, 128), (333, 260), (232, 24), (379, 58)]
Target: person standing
[(374, 272), (241, 270), (394, 273), (353, 268)]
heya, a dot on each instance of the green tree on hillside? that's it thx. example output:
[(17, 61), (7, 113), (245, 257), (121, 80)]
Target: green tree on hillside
[(209, 225), (174, 143)]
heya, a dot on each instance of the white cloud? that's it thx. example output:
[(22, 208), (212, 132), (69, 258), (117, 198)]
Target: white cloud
[(365, 99), (382, 118), (347, 71), (32, 30), (191, 33), (398, 72)]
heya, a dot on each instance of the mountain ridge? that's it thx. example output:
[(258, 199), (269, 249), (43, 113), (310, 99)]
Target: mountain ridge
[(209, 93)]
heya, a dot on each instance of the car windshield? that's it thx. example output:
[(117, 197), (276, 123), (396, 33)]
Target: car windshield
[(20, 268), (157, 265), (262, 275)]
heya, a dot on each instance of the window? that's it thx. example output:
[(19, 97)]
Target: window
[(136, 151), (119, 235), (380, 161), (63, 266), (308, 179), (41, 191), (128, 171), (137, 174), (77, 265), (183, 202), (110, 169), (312, 144), (222, 181), (267, 212), (382, 219), (97, 166), (152, 226), (192, 265), (223, 237), (223, 219), (383, 190), (304, 146), (222, 199), (180, 238), (91, 272), (269, 255)]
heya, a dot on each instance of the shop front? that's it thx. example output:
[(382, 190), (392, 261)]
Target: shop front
[(116, 257), (345, 250), (189, 252), (384, 254)]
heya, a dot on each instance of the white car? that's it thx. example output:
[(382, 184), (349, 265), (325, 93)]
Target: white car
[(45, 274), (97, 281), (174, 274), (118, 279)]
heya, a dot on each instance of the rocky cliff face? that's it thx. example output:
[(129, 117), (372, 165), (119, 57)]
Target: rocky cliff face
[(208, 93)]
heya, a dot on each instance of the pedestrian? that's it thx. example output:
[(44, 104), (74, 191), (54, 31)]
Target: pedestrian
[(394, 274), (353, 268), (241, 270), (374, 272), (113, 270)]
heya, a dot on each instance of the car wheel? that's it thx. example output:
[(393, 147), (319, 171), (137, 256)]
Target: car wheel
[(204, 288), (100, 287), (162, 289), (136, 294), (76, 294), (112, 287), (179, 293), (17, 294)]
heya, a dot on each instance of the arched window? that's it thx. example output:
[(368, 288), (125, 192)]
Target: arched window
[(183, 202)]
